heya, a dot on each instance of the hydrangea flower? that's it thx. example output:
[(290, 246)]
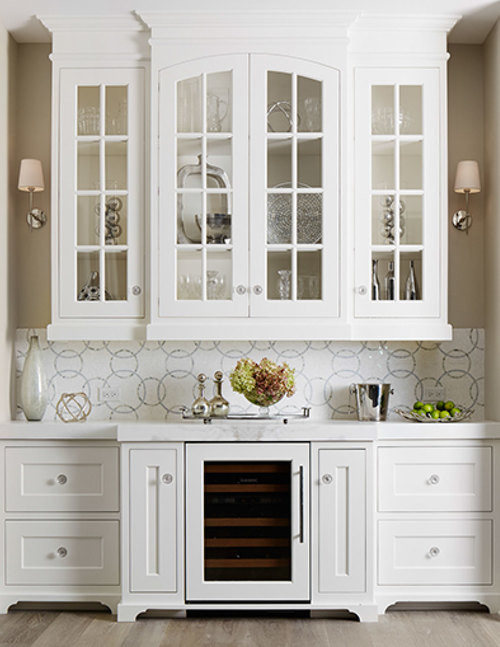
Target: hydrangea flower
[(263, 384)]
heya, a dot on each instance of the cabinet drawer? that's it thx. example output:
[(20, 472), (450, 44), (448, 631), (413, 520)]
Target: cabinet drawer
[(433, 479), (62, 552), (435, 552), (61, 479)]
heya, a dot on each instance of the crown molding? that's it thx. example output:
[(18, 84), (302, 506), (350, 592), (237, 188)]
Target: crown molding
[(247, 23), (111, 23), (404, 22)]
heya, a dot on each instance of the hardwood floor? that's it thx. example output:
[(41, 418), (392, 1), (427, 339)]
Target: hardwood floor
[(395, 629)]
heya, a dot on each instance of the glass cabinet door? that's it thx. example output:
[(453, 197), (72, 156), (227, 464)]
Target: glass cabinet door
[(294, 200), (101, 194), (398, 230), (203, 187)]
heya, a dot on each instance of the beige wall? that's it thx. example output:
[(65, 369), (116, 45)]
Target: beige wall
[(492, 221), (32, 265), (8, 51), (465, 141)]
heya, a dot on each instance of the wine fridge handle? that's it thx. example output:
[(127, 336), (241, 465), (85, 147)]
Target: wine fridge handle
[(301, 500)]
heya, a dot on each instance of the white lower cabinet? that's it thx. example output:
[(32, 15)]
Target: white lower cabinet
[(436, 552), (59, 522), (340, 520), (62, 552), (154, 489), (436, 520), (152, 540), (267, 525), (243, 523)]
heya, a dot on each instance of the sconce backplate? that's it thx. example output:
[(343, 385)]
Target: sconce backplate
[(36, 218)]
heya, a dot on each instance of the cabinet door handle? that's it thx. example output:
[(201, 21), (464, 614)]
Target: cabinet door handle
[(301, 504), (258, 289), (136, 290), (434, 551), (167, 478), (61, 479), (241, 290), (327, 479), (61, 552), (433, 479), (362, 290)]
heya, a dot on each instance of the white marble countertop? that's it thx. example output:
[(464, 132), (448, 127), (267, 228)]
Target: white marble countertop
[(249, 431), (20, 429)]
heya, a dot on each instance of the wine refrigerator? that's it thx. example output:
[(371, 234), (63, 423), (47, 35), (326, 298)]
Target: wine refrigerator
[(247, 522)]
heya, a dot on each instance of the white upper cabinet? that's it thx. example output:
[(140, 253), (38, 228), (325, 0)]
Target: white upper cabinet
[(248, 195), (99, 210), (294, 188), (397, 246), (249, 187), (203, 189), (101, 193), (399, 240)]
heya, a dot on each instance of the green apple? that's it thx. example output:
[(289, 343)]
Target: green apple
[(455, 411), (435, 414), (449, 405), (444, 414), (440, 405), (418, 405), (428, 408)]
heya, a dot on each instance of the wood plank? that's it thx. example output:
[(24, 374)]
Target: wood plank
[(246, 563), (247, 468), (248, 487), (246, 521), (25, 627), (396, 628), (230, 542)]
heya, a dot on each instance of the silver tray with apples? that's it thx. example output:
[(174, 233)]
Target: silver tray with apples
[(435, 412)]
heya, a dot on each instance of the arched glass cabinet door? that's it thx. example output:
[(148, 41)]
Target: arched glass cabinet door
[(203, 196), (294, 199)]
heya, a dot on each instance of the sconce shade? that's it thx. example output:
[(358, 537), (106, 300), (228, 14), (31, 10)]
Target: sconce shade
[(467, 177), (30, 176)]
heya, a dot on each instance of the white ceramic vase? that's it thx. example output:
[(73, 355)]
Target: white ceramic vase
[(33, 383)]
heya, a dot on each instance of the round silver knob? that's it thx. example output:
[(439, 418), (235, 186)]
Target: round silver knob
[(241, 289), (327, 479), (61, 552), (434, 479), (167, 479), (136, 290), (258, 289), (434, 551), (61, 479), (362, 290)]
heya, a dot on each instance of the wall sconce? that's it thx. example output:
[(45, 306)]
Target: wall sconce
[(31, 180), (466, 181)]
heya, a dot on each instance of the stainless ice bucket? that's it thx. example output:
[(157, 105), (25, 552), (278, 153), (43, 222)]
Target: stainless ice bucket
[(372, 400)]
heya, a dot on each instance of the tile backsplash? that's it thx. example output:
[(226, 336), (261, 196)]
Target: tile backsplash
[(154, 379)]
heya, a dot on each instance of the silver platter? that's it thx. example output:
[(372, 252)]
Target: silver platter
[(279, 216)]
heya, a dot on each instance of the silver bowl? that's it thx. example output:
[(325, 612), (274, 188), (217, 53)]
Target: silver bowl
[(218, 227)]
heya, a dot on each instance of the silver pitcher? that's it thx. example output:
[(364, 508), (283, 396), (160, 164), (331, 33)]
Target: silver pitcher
[(372, 400)]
